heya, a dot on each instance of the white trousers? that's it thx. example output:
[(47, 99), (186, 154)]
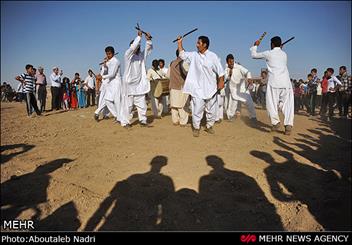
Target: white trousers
[(141, 104), (103, 104), (198, 108), (232, 105), (111, 107), (220, 107), (280, 98)]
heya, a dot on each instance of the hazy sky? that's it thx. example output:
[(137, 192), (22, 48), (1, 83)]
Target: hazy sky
[(73, 35)]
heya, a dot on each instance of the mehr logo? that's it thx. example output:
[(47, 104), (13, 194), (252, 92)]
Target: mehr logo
[(248, 238)]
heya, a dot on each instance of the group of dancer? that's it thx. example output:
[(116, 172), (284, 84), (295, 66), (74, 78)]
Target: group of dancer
[(198, 85)]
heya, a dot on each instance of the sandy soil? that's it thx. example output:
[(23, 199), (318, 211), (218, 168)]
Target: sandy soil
[(68, 172)]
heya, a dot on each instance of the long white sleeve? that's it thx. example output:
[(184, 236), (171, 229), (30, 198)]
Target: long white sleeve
[(112, 69), (130, 51), (245, 72), (55, 78), (337, 80), (148, 48), (186, 55), (256, 55)]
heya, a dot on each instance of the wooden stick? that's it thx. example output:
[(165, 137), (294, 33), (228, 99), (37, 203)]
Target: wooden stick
[(139, 29), (287, 41), (261, 38), (186, 34)]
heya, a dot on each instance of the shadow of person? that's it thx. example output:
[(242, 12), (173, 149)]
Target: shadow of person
[(135, 203), (24, 148), (339, 126), (183, 211), (327, 197), (65, 218), (328, 151), (234, 201), (28, 191)]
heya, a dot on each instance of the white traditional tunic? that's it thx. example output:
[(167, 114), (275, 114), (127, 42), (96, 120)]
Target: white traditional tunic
[(238, 90), (201, 81), (332, 82), (276, 62), (135, 74), (110, 88), (112, 79), (201, 84), (279, 89), (135, 82), (237, 83)]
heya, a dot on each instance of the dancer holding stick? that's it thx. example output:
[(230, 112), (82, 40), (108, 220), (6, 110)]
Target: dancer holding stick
[(279, 89)]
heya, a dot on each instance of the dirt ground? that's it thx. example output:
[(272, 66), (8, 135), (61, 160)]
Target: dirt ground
[(68, 172)]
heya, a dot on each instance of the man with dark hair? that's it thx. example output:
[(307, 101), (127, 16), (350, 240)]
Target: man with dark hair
[(235, 77), (333, 85), (110, 89), (29, 87), (205, 40), (90, 83), (279, 88), (204, 78), (163, 70), (162, 66), (276, 42), (344, 93), (313, 81)]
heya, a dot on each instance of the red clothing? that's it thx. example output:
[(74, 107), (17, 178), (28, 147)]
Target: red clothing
[(74, 101), (324, 85), (73, 95), (66, 97), (297, 91)]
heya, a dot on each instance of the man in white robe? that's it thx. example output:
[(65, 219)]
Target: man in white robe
[(279, 91), (222, 103), (204, 78), (111, 82), (136, 84), (166, 99), (235, 78)]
